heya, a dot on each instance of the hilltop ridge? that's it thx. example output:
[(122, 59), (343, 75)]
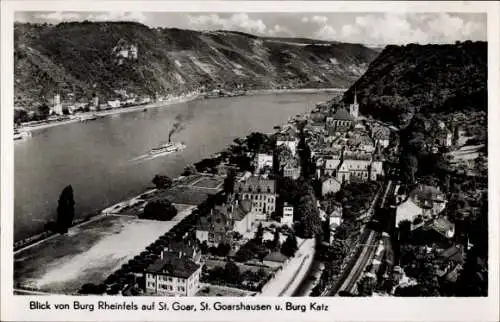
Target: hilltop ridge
[(82, 58)]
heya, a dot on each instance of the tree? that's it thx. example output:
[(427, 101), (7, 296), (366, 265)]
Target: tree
[(276, 240), (305, 157), (189, 170), (222, 250), (456, 135), (326, 230), (255, 141), (65, 210), (259, 235), (308, 217), (366, 286), (162, 181), (232, 272), (404, 231), (409, 167), (42, 111), (159, 210), (229, 182), (290, 245)]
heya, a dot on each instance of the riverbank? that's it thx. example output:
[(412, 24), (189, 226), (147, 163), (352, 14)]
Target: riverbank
[(176, 100), (137, 108), (295, 91), (23, 242)]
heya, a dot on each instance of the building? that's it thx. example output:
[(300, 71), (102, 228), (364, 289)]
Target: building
[(94, 105), (225, 220), (376, 170), (57, 107), (216, 228), (442, 226), (172, 276), (381, 136), (334, 219), (114, 104), (331, 165), (329, 185), (425, 201), (188, 249), (261, 192), (360, 141), (291, 169), (264, 160), (244, 219), (125, 51), (287, 218), (354, 167), (339, 123), (354, 107), (288, 140)]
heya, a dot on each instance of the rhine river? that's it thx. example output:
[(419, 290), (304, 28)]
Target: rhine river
[(97, 157)]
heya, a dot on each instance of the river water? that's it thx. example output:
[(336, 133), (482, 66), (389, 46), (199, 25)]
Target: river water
[(98, 157)]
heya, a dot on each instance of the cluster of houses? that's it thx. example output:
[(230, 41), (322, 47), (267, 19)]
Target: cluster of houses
[(344, 148), (344, 151)]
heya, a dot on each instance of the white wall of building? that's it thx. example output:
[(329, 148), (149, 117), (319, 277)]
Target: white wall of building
[(264, 160), (287, 218), (160, 284)]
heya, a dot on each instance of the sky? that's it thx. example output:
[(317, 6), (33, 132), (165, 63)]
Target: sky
[(354, 27)]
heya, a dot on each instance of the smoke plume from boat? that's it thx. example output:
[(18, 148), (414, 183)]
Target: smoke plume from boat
[(181, 119)]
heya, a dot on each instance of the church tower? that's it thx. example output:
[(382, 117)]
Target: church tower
[(354, 107)]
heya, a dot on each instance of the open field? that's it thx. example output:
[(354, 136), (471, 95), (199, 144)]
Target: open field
[(87, 254), (184, 195), (209, 182)]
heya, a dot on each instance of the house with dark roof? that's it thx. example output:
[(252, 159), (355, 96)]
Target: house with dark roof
[(381, 135), (260, 191), (172, 276), (340, 122), (224, 221), (188, 249)]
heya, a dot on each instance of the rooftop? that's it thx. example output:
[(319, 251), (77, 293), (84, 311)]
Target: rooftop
[(424, 192), (454, 253), (256, 184), (342, 115), (173, 265), (242, 209)]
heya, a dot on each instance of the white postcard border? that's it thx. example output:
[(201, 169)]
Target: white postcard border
[(366, 309)]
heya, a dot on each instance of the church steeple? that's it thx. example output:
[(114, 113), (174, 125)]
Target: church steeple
[(354, 107)]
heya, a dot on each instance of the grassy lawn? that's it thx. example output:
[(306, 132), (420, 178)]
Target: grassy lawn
[(184, 195), (209, 182)]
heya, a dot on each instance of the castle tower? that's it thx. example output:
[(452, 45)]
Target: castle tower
[(354, 107)]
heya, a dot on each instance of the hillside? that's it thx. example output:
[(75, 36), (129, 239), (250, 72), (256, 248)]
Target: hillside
[(105, 57), (437, 96), (405, 80)]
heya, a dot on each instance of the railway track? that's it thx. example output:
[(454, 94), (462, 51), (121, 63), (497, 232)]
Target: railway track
[(364, 254)]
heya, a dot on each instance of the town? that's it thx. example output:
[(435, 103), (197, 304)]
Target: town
[(377, 189), (311, 209)]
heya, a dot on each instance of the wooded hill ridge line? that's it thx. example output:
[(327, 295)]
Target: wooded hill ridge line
[(109, 59), (405, 80)]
